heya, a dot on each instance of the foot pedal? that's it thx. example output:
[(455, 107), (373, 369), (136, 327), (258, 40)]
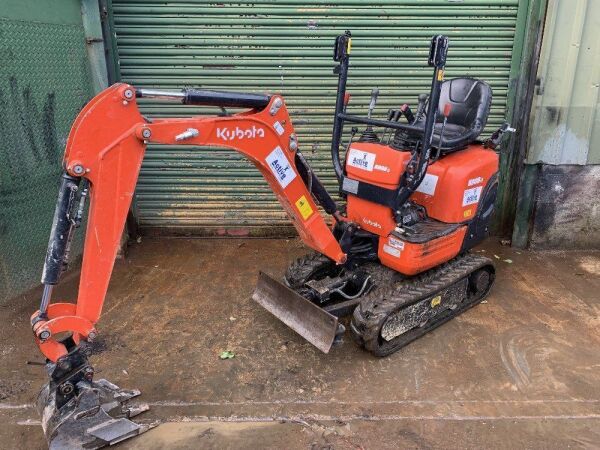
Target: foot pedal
[(96, 417)]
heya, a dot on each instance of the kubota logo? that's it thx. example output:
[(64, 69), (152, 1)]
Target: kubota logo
[(371, 223), (240, 133)]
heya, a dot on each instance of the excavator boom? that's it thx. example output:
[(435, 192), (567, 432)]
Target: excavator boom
[(106, 148), (102, 161)]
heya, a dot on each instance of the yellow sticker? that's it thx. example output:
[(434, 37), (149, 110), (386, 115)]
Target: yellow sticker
[(304, 207), (468, 213), (441, 75), (349, 46), (435, 301)]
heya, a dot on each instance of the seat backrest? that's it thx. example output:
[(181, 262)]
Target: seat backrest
[(470, 99)]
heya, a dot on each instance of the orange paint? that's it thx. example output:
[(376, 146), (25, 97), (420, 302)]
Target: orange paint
[(109, 137), (450, 193), (416, 258), (454, 174)]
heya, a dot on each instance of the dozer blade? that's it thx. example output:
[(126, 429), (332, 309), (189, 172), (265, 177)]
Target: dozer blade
[(96, 417), (314, 324)]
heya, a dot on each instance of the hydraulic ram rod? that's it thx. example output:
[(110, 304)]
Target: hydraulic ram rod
[(209, 98), (60, 236), (157, 93)]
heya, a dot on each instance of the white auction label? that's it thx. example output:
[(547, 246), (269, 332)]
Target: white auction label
[(281, 167), (361, 160)]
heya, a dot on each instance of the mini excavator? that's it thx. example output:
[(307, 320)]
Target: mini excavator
[(419, 194)]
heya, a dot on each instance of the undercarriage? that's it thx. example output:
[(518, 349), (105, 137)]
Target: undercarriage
[(390, 310)]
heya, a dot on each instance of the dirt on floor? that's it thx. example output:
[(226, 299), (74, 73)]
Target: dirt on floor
[(521, 370)]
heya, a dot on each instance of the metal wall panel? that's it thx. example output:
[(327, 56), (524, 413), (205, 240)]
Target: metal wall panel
[(566, 122), (286, 47)]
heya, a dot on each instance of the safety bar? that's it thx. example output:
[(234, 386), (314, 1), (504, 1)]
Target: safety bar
[(417, 166), (419, 160), (203, 97), (341, 54), (381, 123)]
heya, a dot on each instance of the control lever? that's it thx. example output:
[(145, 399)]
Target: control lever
[(421, 107), (395, 118), (369, 135), (446, 113), (390, 114), (407, 113), (374, 95), (493, 141), (353, 132), (347, 98)]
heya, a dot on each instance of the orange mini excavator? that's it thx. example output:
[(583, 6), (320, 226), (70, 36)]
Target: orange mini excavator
[(419, 193)]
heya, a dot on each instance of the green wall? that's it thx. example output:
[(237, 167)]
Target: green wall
[(558, 206), (44, 82), (285, 47)]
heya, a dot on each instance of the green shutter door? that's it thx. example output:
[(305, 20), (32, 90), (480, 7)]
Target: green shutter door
[(286, 47)]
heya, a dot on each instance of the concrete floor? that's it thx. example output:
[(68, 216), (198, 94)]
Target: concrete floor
[(519, 371)]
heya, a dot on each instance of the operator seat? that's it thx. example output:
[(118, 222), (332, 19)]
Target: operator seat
[(470, 101)]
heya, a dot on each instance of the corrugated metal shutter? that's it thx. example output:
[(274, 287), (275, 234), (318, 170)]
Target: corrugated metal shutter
[(286, 47)]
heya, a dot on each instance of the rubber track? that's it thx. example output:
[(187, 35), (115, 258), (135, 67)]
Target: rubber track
[(305, 267), (372, 312)]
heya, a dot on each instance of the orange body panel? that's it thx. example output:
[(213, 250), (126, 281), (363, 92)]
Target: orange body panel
[(461, 178), (450, 193), (410, 259)]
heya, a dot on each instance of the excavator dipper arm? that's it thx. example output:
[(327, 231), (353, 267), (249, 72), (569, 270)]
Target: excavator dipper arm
[(106, 147), (102, 161)]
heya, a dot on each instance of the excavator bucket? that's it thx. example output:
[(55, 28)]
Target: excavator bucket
[(96, 417), (314, 324)]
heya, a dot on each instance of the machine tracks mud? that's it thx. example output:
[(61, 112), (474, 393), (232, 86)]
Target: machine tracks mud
[(389, 318), (310, 266), (395, 310)]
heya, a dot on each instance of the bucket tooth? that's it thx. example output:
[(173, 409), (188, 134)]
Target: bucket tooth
[(310, 321), (94, 418)]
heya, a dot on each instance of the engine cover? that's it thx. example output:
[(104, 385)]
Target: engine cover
[(450, 193)]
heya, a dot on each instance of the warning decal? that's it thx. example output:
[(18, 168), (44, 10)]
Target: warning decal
[(304, 207), (428, 184), (396, 243), (279, 128), (391, 250)]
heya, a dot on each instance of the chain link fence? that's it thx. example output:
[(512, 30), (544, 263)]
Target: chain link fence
[(44, 82)]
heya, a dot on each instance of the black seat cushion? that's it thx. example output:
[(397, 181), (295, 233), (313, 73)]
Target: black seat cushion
[(470, 101)]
